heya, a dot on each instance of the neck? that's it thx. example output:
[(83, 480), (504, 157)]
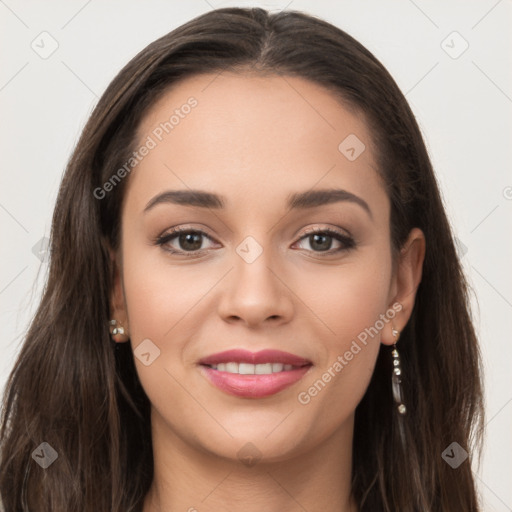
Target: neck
[(189, 479)]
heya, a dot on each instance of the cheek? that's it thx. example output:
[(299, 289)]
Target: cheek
[(159, 295), (163, 303), (349, 298), (350, 305), (158, 300)]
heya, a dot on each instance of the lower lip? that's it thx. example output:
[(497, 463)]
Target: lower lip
[(253, 386)]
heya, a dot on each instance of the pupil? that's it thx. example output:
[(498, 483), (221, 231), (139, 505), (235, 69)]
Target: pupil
[(324, 237), (189, 238)]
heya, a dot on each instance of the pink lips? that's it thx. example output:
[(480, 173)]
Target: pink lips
[(254, 386)]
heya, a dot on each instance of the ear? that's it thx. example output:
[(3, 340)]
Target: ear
[(405, 282), (117, 300)]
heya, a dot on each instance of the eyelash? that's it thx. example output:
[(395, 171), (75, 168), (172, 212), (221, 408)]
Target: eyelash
[(347, 241)]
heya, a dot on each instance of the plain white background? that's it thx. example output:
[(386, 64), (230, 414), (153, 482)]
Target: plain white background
[(462, 98)]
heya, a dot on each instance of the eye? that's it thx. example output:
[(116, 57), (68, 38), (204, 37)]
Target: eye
[(321, 239), (189, 241)]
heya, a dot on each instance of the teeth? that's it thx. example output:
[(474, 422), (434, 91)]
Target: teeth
[(246, 369), (263, 369), (231, 367), (252, 369)]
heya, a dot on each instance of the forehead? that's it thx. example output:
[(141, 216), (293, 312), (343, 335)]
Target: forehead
[(252, 135)]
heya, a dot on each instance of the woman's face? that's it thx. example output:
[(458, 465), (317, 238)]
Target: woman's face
[(249, 275)]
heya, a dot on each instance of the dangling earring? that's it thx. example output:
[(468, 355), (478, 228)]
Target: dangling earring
[(117, 331), (396, 380)]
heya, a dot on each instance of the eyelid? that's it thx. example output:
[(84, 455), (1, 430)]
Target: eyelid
[(173, 232), (328, 229)]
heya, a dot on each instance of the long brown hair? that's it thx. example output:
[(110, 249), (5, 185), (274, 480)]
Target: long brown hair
[(73, 388)]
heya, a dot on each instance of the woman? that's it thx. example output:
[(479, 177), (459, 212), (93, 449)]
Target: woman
[(201, 344)]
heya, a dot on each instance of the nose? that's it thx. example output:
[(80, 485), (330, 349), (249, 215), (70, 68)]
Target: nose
[(256, 292)]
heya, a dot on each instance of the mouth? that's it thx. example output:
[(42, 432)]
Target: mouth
[(253, 375), (253, 369)]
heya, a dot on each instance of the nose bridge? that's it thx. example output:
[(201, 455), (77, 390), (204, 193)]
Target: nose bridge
[(255, 292), (254, 263)]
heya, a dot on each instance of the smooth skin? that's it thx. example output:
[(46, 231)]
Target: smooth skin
[(255, 140)]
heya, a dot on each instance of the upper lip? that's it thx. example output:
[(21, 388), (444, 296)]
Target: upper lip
[(261, 357)]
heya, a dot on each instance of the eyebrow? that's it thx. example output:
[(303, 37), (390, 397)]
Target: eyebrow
[(295, 201)]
